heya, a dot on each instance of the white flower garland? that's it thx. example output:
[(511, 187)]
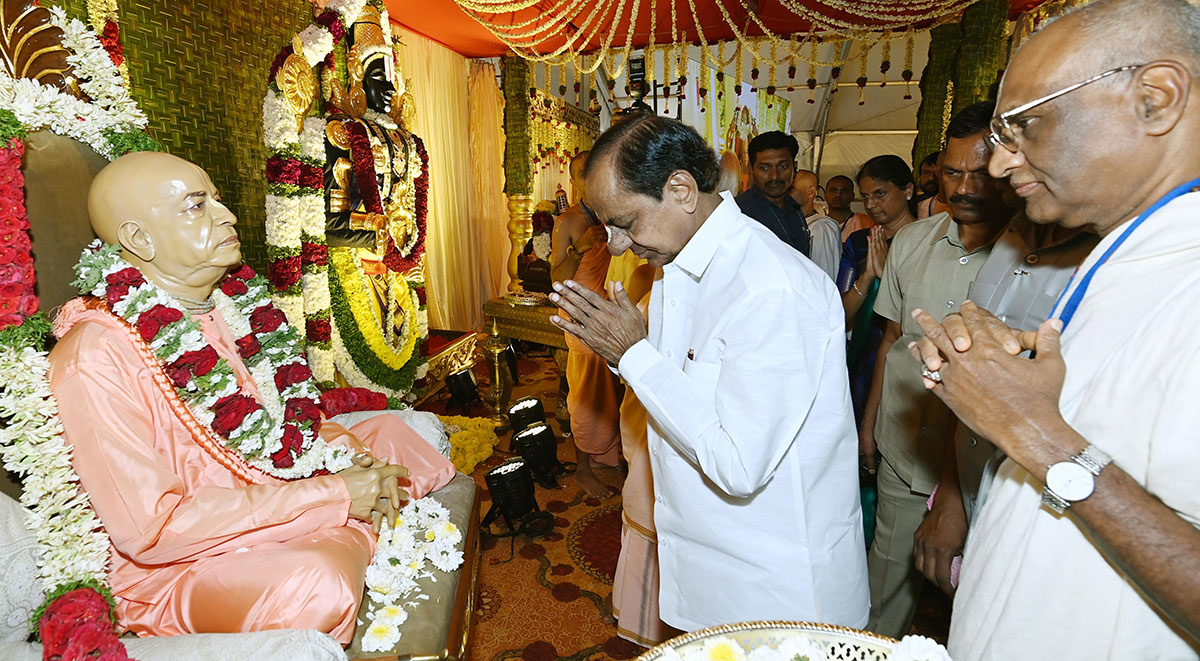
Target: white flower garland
[(541, 246), (71, 544), (38, 106), (423, 535)]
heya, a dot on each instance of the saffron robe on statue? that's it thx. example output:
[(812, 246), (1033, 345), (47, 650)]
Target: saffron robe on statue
[(594, 396), (195, 547)]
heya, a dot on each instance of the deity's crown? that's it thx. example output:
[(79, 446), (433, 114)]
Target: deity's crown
[(369, 38)]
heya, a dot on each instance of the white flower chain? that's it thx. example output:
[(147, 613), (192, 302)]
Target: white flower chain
[(71, 544), (39, 106)]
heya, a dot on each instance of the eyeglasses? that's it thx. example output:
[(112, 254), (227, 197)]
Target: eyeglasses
[(1005, 132)]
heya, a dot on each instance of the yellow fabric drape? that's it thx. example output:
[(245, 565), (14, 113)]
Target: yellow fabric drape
[(489, 208), (454, 262)]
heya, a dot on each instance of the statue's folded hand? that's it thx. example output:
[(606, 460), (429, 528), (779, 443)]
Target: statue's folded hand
[(374, 489)]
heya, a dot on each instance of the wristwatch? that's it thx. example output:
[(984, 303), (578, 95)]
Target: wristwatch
[(1069, 482)]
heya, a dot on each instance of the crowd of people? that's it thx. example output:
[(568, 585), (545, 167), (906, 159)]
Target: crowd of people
[(1000, 345)]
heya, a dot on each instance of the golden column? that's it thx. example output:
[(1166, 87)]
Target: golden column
[(520, 231)]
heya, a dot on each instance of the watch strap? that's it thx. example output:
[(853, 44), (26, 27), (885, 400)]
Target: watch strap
[(1054, 501), (1093, 459)]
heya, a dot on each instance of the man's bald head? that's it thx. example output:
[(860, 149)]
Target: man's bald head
[(804, 189), (1144, 112), (731, 173), (1116, 33), (575, 172)]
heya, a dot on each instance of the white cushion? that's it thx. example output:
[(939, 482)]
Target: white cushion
[(21, 594), (427, 424)]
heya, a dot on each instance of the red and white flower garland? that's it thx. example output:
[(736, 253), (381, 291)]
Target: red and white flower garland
[(278, 436)]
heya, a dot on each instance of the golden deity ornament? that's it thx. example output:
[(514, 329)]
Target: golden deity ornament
[(297, 84)]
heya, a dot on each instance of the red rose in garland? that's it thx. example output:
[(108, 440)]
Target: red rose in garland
[(292, 442), (248, 346), (155, 318), (300, 410), (266, 319), (230, 411), (198, 363), (233, 287), (289, 374)]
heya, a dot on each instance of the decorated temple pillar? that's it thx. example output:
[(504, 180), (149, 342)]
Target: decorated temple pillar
[(983, 52), (516, 78), (936, 89)]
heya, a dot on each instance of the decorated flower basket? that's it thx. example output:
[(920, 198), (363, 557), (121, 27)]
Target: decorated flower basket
[(776, 640)]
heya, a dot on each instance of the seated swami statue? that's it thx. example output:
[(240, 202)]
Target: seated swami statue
[(232, 505)]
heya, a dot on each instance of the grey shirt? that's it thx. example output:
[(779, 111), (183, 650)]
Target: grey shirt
[(1019, 283)]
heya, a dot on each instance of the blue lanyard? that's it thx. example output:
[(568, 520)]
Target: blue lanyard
[(1068, 311)]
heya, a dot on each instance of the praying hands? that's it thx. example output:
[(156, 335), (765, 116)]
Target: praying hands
[(972, 363), (608, 327)]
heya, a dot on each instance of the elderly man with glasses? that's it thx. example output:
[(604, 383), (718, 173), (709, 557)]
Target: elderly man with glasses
[(1087, 544)]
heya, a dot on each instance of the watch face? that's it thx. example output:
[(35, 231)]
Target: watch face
[(1070, 481)]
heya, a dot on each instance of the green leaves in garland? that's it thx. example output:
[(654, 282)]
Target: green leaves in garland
[(356, 345)]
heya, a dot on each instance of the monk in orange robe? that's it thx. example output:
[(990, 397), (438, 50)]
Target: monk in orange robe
[(203, 543), (579, 247)]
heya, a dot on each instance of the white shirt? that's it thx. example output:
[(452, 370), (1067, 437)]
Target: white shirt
[(1034, 586), (826, 244), (751, 436)]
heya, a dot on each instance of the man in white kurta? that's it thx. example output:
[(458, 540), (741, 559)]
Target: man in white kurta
[(751, 436)]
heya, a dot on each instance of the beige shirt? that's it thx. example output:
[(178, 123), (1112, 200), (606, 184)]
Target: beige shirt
[(1034, 585), (928, 268)]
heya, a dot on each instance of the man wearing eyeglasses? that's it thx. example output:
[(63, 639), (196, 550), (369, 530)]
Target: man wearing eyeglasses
[(1087, 544)]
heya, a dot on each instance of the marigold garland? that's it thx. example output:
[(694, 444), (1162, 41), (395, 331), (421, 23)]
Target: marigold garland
[(472, 440), (357, 332)]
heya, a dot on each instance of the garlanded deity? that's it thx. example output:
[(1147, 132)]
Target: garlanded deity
[(356, 279)]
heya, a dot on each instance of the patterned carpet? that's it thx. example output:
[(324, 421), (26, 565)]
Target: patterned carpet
[(549, 598)]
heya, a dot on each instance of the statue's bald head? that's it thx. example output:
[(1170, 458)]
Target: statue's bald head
[(122, 190), (167, 217)]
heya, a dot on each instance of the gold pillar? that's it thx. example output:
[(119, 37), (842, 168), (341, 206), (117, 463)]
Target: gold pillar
[(520, 231)]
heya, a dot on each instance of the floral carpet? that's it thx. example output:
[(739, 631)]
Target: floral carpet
[(549, 598)]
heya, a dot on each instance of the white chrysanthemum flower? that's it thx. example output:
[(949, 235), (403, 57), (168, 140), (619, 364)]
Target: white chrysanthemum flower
[(380, 636), (918, 648), (720, 649)]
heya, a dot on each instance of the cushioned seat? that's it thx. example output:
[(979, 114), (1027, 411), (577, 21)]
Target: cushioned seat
[(437, 628)]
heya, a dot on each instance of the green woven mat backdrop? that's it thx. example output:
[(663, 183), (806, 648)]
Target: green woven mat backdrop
[(199, 70)]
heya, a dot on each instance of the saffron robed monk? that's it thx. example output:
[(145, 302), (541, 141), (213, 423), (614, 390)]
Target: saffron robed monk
[(231, 504)]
